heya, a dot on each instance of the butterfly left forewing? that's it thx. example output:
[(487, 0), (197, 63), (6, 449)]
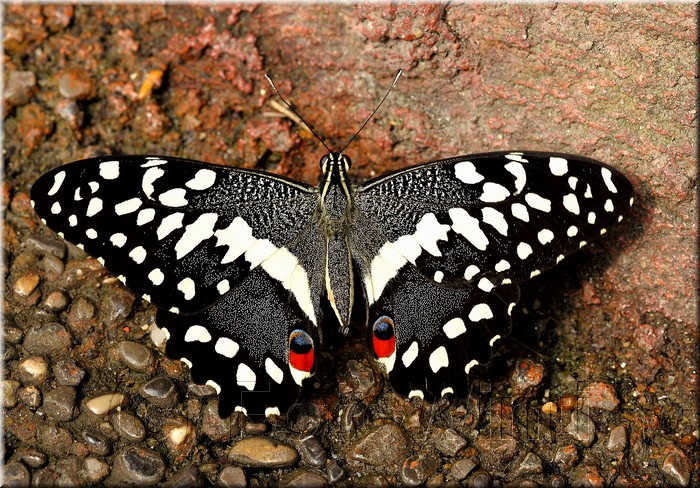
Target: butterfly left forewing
[(470, 227)]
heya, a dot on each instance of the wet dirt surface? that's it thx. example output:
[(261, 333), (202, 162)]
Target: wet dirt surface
[(597, 384)]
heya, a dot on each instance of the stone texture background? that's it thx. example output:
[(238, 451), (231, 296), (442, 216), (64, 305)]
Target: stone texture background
[(612, 82)]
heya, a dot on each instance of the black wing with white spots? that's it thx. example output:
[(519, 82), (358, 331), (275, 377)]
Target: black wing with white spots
[(471, 226), (200, 241)]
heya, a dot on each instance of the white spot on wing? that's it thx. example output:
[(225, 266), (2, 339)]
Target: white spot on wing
[(520, 211), (485, 285), (109, 170), (145, 216), (156, 276), (438, 359), (470, 365), (537, 202), (149, 177), (186, 286), (138, 254), (495, 219), (495, 338), (91, 233), (118, 239), (203, 179), (226, 347), (591, 218), (223, 287), (415, 394), (572, 231), (169, 224), (609, 207), (94, 207), (195, 233), (73, 220), (274, 371), (214, 385), (272, 412), (517, 170), (545, 236), (571, 203), (454, 328), (502, 265), (471, 271), (493, 192), (197, 333), (94, 186), (173, 198), (245, 377), (438, 276), (447, 391), (558, 166), (524, 250), (607, 178), (468, 226), (238, 236), (480, 312), (57, 182), (410, 355), (466, 172), (56, 208), (127, 206), (429, 231)]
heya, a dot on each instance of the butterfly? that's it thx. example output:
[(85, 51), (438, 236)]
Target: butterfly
[(240, 262)]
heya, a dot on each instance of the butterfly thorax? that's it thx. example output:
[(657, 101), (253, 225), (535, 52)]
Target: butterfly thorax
[(335, 216)]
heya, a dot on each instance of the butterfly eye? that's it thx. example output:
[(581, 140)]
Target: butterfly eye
[(324, 162), (384, 341), (301, 355), (347, 162)]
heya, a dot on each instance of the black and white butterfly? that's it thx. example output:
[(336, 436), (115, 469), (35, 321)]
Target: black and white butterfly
[(239, 261)]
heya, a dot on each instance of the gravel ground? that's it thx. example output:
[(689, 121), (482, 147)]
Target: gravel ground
[(596, 386)]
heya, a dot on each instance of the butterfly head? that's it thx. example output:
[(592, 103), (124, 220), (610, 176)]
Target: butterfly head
[(335, 166)]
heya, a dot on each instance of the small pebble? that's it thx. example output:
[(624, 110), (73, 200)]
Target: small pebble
[(160, 391), (416, 469), (179, 434), (71, 113), (81, 314), (59, 403), (19, 87), (137, 465), (586, 475), (558, 481), (582, 429), (566, 457), (103, 404), (53, 266), (33, 370), (47, 245), (480, 479), (54, 440), (95, 470), (688, 439), (15, 475), (353, 416), (334, 472), (677, 468), (312, 451), (531, 464), (187, 477), (13, 335), (68, 373), (47, 339), (384, 445), (25, 285), (218, 429), (232, 477), (262, 452), (136, 356), (549, 408), (361, 382), (527, 375), (201, 391), (618, 439), (75, 83), (448, 442), (567, 403), (302, 478), (128, 426), (118, 307), (460, 469), (9, 393), (599, 395), (30, 456), (30, 396), (496, 450), (57, 301), (97, 443)]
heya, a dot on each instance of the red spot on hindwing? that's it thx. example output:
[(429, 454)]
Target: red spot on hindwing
[(383, 337)]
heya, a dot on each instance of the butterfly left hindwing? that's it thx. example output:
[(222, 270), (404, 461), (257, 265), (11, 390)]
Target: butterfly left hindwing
[(444, 243)]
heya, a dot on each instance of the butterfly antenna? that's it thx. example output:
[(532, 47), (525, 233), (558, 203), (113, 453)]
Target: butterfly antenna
[(311, 129), (398, 75)]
